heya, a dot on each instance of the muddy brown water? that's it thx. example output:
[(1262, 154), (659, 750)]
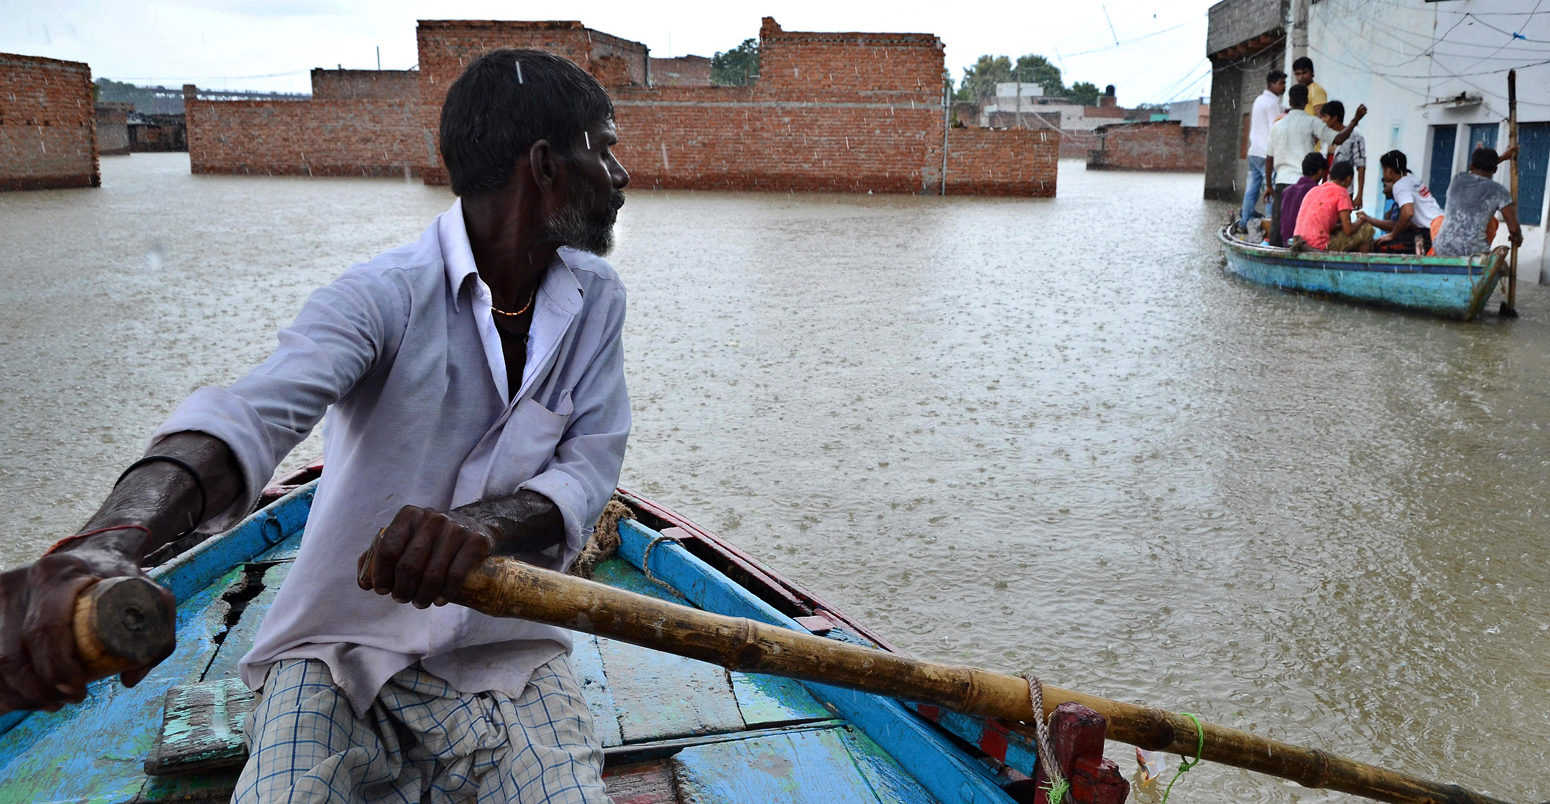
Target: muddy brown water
[(1049, 436)]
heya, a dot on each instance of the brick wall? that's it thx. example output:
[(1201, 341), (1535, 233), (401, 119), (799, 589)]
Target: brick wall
[(1160, 145), (47, 124), (842, 112), (684, 71), (158, 132), (113, 128), (364, 84), (984, 161), (369, 137)]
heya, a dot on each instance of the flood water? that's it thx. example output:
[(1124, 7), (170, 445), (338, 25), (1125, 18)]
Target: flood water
[(1036, 436)]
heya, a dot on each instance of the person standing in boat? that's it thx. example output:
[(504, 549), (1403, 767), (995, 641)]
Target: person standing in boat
[(475, 383), (1410, 232), (1267, 109), (1473, 201), (1302, 70), (1353, 150), (1293, 137)]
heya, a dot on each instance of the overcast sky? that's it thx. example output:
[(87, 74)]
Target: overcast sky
[(273, 44)]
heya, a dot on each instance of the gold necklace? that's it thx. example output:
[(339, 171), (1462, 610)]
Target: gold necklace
[(530, 297)]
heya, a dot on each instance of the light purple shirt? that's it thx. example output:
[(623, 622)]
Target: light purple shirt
[(403, 349)]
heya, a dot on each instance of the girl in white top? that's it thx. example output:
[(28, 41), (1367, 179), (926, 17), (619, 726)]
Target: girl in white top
[(1417, 208)]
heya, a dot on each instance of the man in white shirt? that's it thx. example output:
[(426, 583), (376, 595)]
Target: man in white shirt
[(474, 383), (1294, 137), (1411, 231), (1267, 108)]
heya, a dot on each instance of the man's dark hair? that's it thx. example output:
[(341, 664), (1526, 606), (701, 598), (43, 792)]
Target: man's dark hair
[(1297, 96), (1341, 171), (1274, 76), (1302, 63), (1334, 109), (1313, 163), (1484, 159), (1395, 161), (503, 103)]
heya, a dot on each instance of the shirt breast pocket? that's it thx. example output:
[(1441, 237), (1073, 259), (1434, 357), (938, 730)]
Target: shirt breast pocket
[(527, 443)]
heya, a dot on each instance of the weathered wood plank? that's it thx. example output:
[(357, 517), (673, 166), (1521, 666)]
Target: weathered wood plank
[(641, 783), (239, 635), (202, 727), (806, 766), (767, 700), (657, 695), (587, 664)]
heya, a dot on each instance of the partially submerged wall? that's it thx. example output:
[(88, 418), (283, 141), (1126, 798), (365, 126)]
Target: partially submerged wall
[(1159, 145), (113, 128), (47, 124), (842, 112)]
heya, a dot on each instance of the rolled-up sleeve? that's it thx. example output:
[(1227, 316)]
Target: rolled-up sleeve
[(585, 468), (343, 329)]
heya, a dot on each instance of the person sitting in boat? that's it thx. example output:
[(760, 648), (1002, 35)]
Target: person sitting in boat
[(474, 383), (1353, 150), (1324, 223), (1291, 138), (1473, 201), (1410, 231), (1313, 172)]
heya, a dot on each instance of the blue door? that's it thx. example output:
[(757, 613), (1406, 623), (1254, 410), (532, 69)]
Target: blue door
[(1440, 174), (1534, 143), (1482, 134)]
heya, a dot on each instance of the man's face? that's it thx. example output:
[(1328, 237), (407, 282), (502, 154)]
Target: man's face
[(1304, 77), (1330, 121), (1279, 87), (596, 183)]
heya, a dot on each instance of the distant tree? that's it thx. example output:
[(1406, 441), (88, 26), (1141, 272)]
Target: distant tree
[(1035, 69), (979, 81), (736, 67), (1084, 92)]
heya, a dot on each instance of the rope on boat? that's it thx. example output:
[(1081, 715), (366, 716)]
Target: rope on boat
[(604, 541), (1186, 764), (645, 561), (1058, 786)]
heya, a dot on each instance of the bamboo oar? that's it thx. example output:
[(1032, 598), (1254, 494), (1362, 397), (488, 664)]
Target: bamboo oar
[(1510, 309), (507, 588)]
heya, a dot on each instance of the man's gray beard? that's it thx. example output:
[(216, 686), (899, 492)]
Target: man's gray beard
[(571, 225)]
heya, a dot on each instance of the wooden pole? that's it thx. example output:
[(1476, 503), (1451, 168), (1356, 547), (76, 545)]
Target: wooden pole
[(122, 624), (1510, 309), (504, 587)]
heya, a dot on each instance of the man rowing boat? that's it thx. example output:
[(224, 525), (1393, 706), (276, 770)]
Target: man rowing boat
[(476, 383)]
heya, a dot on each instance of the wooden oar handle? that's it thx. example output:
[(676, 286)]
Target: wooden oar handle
[(122, 624)]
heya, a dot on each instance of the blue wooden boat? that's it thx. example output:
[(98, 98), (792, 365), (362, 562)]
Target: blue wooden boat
[(1451, 287), (673, 729)]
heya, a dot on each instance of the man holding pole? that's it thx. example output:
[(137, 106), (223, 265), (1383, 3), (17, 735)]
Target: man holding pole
[(476, 384)]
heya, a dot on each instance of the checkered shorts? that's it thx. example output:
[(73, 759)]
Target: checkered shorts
[(420, 741)]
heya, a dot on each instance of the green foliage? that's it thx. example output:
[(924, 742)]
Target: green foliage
[(736, 67), (110, 91), (979, 82), (1084, 92)]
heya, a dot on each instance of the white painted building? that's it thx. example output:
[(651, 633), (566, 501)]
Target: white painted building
[(1434, 78), (1014, 98)]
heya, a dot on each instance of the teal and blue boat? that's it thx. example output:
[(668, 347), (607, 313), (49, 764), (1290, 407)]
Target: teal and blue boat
[(1451, 287), (673, 729)]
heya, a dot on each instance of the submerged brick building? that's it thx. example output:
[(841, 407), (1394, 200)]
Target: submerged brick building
[(48, 128), (846, 112)]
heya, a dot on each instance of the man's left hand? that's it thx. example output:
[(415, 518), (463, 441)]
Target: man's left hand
[(424, 555)]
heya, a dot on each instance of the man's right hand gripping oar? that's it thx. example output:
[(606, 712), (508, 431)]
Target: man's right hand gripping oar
[(184, 477)]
